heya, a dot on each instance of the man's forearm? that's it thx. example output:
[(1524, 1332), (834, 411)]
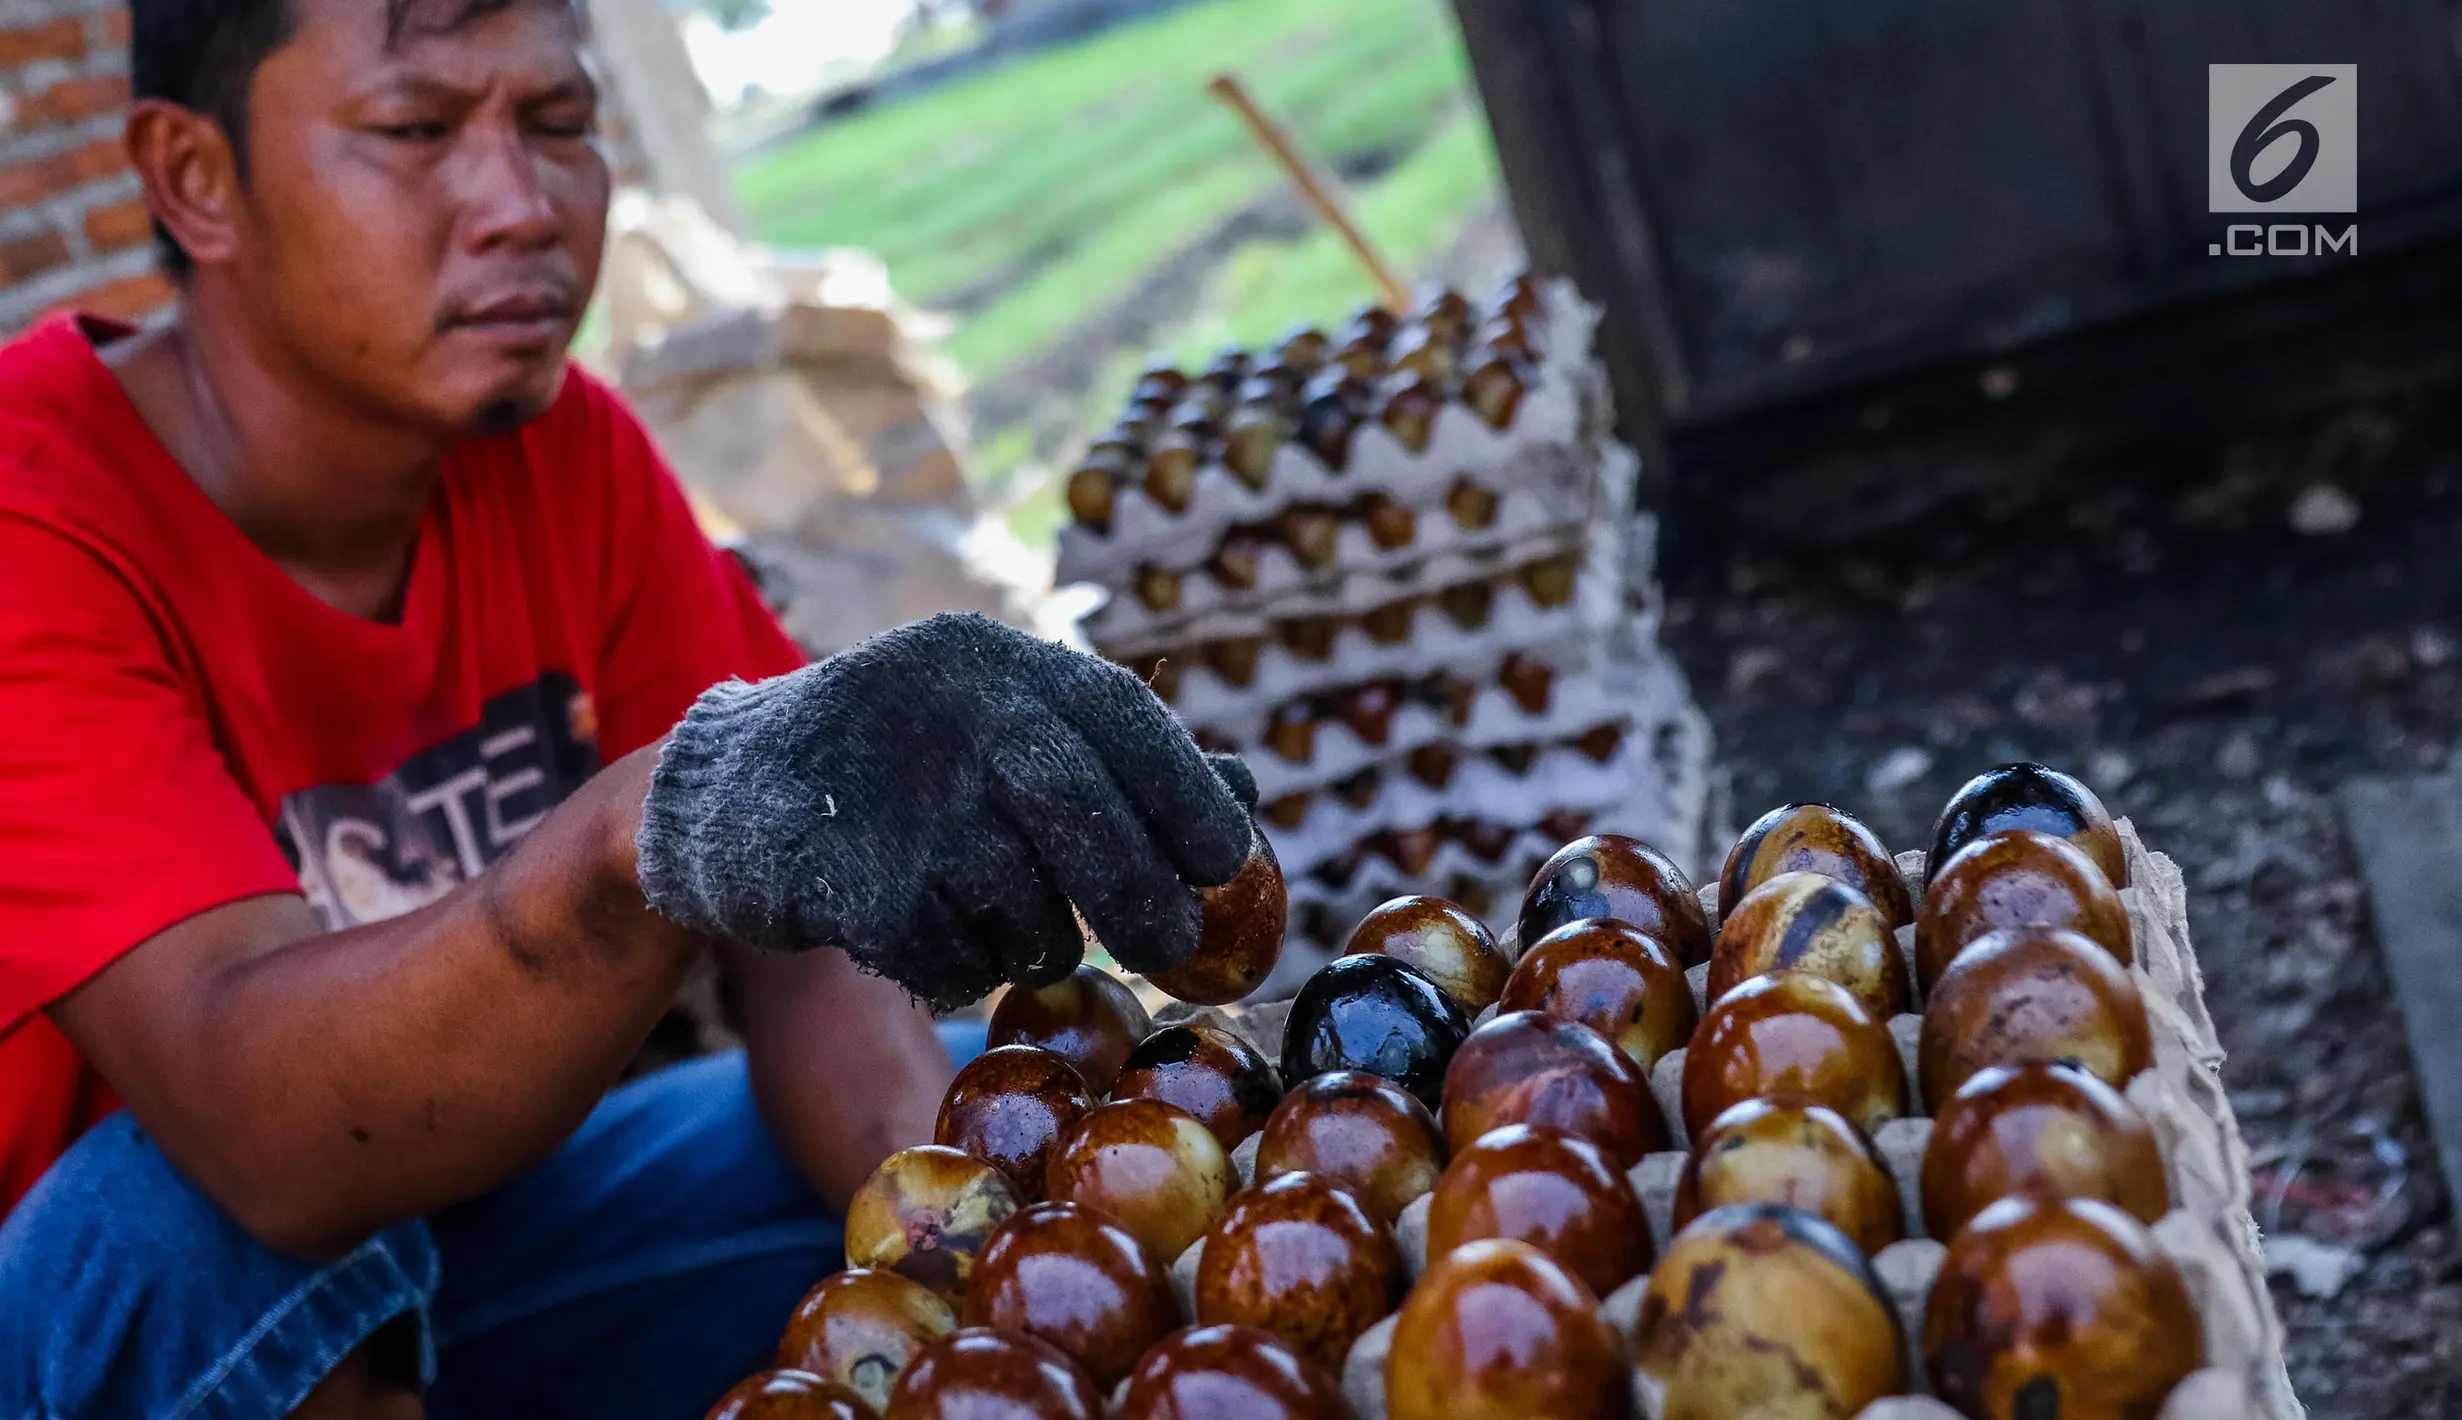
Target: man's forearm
[(365, 1077), (847, 1068)]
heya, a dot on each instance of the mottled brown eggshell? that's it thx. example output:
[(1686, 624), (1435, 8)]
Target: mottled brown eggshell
[(1531, 1068), (1497, 1330), (1228, 1373), (2032, 993), (1302, 1259), (1070, 1276), (2033, 797), (2058, 1307), (1612, 978), (1557, 1193), (1793, 1033), (1815, 838), (1793, 1151), (789, 1395), (1444, 941), (1358, 1131), (1088, 1018), (1764, 1310), (1214, 1075), (2039, 1128), (978, 1374), (924, 1214), (1150, 1165), (2015, 878), (1008, 1107), (1808, 922), (860, 1328), (1244, 920), (1606, 875)]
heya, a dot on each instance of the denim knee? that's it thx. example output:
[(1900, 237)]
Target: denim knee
[(125, 1291)]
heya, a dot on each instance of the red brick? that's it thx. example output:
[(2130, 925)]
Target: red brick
[(24, 258), (22, 184), (114, 26), (120, 225), (71, 100), (125, 299), (24, 44)]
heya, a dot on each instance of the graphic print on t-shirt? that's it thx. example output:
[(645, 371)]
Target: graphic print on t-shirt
[(367, 852)]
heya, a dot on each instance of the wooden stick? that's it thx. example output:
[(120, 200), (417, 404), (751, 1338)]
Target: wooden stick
[(1322, 190)]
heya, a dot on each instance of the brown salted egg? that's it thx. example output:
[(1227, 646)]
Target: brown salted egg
[(2053, 1306), (1150, 1165), (1494, 388), (2032, 993), (924, 1214), (1815, 838), (1008, 1107), (1808, 922), (1793, 1151), (1301, 1258), (979, 1374), (1241, 937), (1557, 1193), (1228, 1373), (790, 1395), (1612, 978), (1765, 1310), (1444, 941), (1070, 1276), (1088, 1018), (1209, 1072), (1607, 875), (860, 1328), (1358, 1131), (2030, 796), (1793, 1033), (1498, 1330), (1531, 1068), (2041, 1127), (2015, 878)]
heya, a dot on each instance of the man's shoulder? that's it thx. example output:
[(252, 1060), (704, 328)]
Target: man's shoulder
[(69, 437)]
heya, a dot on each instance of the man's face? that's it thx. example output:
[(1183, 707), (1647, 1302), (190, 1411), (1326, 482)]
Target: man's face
[(426, 206)]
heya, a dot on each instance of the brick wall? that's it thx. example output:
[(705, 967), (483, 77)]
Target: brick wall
[(73, 228)]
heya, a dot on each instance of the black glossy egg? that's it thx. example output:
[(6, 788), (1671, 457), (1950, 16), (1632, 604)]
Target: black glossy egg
[(2033, 797), (1375, 1014)]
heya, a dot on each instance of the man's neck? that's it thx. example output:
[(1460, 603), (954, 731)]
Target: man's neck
[(332, 495)]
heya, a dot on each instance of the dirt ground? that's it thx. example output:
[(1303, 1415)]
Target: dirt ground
[(2160, 629)]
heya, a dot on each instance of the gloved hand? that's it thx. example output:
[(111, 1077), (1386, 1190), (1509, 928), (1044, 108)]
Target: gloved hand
[(934, 800)]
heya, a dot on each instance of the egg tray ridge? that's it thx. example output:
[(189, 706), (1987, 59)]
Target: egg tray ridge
[(2208, 1234)]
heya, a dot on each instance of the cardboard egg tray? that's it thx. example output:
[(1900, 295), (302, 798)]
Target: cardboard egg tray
[(1560, 409), (1518, 542), (2208, 1233), (1431, 641)]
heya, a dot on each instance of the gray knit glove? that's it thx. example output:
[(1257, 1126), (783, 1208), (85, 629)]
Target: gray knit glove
[(934, 801)]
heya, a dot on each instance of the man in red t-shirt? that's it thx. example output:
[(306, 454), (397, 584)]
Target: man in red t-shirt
[(383, 746)]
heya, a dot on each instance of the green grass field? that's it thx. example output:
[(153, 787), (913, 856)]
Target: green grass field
[(1030, 197)]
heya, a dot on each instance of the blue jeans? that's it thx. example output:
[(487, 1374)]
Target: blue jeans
[(641, 1270)]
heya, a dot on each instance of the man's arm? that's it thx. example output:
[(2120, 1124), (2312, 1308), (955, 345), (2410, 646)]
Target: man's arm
[(322, 1087), (846, 1066)]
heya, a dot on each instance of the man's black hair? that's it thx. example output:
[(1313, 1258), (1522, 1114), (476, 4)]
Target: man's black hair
[(203, 55)]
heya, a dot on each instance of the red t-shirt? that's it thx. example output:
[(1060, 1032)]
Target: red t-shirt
[(183, 726)]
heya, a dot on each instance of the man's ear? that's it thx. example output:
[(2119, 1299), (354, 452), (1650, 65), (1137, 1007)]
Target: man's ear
[(191, 176)]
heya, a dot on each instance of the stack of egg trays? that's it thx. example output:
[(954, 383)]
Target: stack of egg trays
[(1613, 743), (2208, 1233)]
